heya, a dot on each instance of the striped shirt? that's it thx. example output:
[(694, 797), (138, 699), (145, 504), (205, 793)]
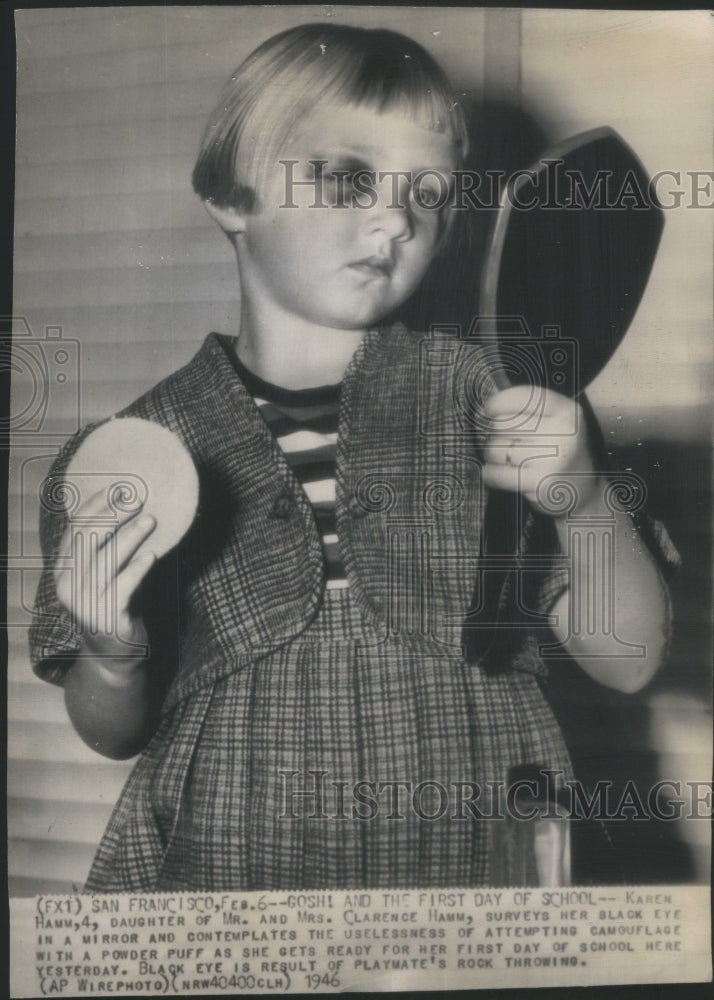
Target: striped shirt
[(304, 423)]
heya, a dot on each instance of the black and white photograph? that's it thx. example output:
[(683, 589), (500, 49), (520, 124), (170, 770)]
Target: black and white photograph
[(359, 567)]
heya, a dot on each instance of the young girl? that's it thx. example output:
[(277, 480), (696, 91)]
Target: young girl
[(306, 716)]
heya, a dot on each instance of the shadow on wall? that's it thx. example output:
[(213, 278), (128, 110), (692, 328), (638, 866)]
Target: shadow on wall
[(502, 138)]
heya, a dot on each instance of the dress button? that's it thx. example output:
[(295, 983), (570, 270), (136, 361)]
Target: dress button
[(355, 508), (283, 506)]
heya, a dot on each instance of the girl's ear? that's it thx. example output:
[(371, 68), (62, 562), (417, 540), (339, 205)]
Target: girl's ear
[(231, 220)]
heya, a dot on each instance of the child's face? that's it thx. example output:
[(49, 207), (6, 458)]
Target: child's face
[(347, 267)]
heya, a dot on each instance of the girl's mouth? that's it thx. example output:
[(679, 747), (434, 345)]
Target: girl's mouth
[(374, 266)]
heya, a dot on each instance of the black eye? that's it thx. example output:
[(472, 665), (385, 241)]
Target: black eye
[(429, 191), (339, 171), (345, 177)]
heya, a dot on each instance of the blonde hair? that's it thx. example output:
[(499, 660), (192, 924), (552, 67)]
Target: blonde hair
[(291, 73)]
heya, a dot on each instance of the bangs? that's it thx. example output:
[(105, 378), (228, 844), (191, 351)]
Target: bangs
[(293, 73), (381, 70), (397, 75)]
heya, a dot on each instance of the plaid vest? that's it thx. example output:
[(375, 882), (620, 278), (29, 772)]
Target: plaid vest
[(248, 577)]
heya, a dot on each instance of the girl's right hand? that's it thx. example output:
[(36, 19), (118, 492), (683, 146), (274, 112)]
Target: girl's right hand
[(101, 561)]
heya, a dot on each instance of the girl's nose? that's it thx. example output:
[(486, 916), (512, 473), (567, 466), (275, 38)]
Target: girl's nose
[(391, 214)]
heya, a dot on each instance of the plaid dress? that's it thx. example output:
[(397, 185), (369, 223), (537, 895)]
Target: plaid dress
[(311, 737)]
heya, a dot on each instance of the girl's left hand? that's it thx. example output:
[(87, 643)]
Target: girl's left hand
[(537, 433)]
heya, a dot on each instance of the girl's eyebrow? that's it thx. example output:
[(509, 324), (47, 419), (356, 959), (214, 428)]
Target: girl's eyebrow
[(349, 155), (345, 162), (345, 151)]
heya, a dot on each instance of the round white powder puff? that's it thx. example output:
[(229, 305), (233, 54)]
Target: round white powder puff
[(137, 461)]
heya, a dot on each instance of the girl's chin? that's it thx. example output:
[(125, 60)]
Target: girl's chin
[(365, 322), (363, 314)]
